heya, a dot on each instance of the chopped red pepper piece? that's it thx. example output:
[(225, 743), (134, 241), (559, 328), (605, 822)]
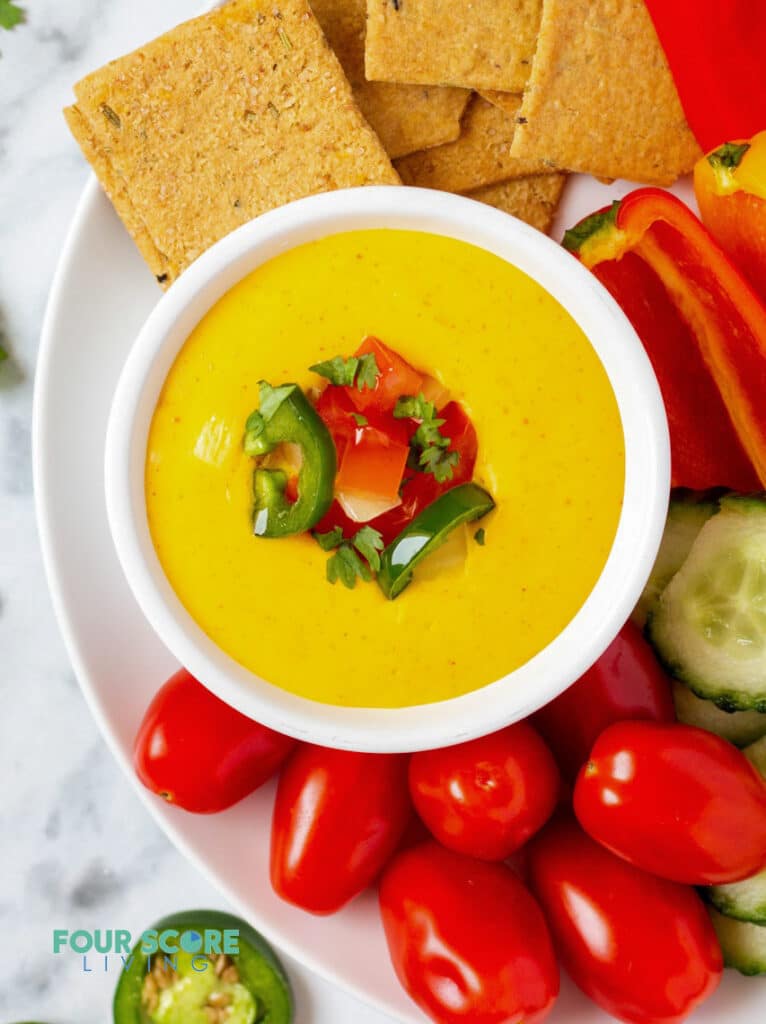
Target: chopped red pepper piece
[(342, 418), (372, 468), (702, 325), (715, 52), (396, 378), (419, 489)]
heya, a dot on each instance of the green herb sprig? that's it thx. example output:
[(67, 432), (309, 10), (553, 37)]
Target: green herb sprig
[(430, 445), (360, 370), (345, 564), (11, 14)]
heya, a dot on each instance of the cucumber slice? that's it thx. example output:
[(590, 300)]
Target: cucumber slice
[(709, 625), (687, 514), (746, 900), (738, 727), (743, 944), (743, 901)]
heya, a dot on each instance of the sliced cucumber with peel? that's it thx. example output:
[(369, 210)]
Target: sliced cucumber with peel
[(742, 901), (709, 625), (746, 900), (743, 944), (738, 727), (687, 514)]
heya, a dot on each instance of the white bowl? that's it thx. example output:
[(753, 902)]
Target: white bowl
[(647, 468)]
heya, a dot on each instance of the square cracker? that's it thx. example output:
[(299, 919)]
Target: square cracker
[(223, 118), (507, 101), (481, 156), (485, 44), (534, 199), (601, 98), (406, 117)]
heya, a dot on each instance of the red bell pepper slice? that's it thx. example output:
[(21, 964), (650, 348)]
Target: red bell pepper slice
[(703, 327), (716, 55), (395, 378)]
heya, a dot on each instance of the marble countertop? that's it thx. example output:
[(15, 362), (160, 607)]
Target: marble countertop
[(76, 847)]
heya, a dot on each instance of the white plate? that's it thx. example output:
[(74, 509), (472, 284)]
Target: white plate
[(101, 295)]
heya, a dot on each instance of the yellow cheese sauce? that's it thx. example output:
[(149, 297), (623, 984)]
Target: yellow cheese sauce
[(550, 451)]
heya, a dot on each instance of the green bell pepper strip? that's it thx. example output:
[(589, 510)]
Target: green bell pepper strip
[(267, 998), (427, 532), (286, 416)]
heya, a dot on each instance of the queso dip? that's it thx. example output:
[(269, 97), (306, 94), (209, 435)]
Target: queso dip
[(550, 452)]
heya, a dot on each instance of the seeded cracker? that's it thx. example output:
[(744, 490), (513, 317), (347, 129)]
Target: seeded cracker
[(223, 118), (484, 44), (507, 101), (481, 156), (406, 117), (534, 199), (601, 98)]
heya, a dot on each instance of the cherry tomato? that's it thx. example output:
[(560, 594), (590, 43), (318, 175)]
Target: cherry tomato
[(201, 754), (485, 798), (675, 800), (625, 683), (467, 940), (641, 947), (338, 818)]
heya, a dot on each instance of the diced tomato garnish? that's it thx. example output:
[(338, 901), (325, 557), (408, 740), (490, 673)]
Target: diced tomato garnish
[(337, 411), (373, 466), (419, 489), (396, 378), (462, 434), (434, 391), (340, 417)]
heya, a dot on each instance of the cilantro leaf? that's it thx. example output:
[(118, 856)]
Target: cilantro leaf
[(360, 370), (271, 398), (433, 447), (480, 536), (440, 462), (369, 543), (414, 407), (10, 14), (338, 370), (428, 433), (346, 565), (368, 372), (361, 421), (330, 540)]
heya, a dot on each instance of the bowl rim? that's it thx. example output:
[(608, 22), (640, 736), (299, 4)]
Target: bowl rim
[(639, 530)]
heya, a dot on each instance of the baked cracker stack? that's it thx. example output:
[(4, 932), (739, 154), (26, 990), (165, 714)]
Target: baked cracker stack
[(264, 101)]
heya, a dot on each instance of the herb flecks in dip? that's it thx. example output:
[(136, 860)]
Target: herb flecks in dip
[(550, 453)]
